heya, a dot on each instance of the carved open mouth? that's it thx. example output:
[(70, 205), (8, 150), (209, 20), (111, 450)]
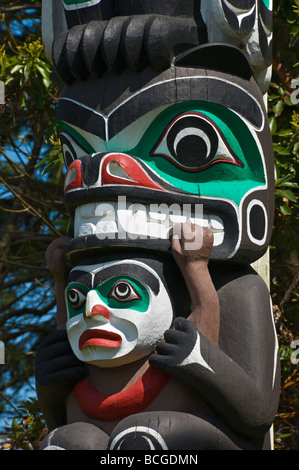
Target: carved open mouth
[(100, 190), (100, 338), (139, 220)]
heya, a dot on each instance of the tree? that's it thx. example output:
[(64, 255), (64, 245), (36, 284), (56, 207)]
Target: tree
[(32, 214), (284, 121)]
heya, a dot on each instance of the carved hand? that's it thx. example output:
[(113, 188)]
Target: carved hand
[(191, 243), (178, 343), (56, 365), (191, 249), (57, 371)]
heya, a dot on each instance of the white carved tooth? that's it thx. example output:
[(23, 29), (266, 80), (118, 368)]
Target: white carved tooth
[(139, 219), (177, 218), (87, 210), (216, 222), (218, 238), (203, 222), (157, 230), (86, 229), (158, 215), (106, 226), (124, 219), (104, 208)]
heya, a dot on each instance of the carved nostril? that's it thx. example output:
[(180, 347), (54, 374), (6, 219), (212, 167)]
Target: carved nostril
[(99, 310)]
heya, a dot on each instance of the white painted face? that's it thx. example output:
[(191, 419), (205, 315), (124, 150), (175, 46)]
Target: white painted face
[(117, 312)]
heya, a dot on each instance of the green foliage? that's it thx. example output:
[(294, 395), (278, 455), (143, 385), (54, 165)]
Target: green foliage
[(31, 99), (31, 212), (284, 121), (27, 72), (27, 430), (286, 25)]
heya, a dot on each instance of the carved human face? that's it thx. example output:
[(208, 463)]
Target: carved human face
[(117, 312)]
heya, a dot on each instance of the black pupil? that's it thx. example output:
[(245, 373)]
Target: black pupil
[(122, 290), (74, 297), (191, 149)]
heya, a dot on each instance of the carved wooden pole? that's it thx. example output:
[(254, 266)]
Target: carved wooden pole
[(165, 337)]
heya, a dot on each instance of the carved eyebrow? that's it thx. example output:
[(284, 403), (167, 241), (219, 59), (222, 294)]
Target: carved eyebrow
[(80, 115), (127, 269), (111, 121), (83, 277), (219, 91)]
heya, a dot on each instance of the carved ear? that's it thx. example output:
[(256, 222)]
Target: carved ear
[(217, 56)]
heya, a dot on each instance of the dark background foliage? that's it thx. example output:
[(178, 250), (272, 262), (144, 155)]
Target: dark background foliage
[(32, 215)]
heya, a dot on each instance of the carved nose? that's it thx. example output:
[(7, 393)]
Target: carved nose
[(98, 310), (120, 168)]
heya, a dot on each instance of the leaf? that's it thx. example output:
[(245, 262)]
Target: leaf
[(42, 161), (27, 70), (284, 179), (286, 193), (289, 184), (278, 108), (288, 101), (273, 125), (285, 133), (15, 425), (285, 210), (16, 68), (281, 150)]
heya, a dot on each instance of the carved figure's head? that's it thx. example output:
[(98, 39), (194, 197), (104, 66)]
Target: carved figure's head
[(155, 111), (119, 309), (192, 135)]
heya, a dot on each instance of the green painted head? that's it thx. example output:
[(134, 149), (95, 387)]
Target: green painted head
[(157, 148)]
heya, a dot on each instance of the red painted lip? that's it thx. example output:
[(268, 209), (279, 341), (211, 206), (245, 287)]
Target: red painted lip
[(103, 338)]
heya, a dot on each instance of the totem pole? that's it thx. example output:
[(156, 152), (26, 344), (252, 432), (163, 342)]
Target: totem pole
[(165, 337)]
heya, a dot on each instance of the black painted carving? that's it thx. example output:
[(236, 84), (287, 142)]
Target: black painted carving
[(155, 113)]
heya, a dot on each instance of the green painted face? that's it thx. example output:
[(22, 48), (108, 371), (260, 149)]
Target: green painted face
[(117, 293), (234, 155), (199, 147), (199, 151), (116, 312)]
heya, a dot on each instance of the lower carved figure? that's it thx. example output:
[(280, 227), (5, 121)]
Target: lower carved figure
[(156, 430), (152, 361)]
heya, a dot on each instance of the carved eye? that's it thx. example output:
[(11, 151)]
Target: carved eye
[(193, 142), (123, 291), (76, 297), (70, 149)]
